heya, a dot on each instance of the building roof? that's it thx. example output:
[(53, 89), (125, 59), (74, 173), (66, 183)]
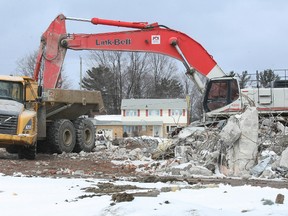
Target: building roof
[(144, 123), (107, 120), (154, 104), (108, 117)]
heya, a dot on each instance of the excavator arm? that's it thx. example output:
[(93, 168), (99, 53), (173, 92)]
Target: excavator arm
[(147, 38)]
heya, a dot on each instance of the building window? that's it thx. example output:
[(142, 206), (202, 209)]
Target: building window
[(154, 112), (170, 128), (131, 112), (144, 128), (176, 112), (132, 130)]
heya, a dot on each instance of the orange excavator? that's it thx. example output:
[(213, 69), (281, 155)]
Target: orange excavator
[(221, 97), (149, 38)]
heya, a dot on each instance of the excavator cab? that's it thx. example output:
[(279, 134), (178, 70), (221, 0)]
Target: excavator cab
[(220, 93)]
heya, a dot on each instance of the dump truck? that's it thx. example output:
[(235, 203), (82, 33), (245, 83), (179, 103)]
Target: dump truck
[(55, 118)]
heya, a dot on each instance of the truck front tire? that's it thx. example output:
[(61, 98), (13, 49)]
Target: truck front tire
[(85, 135), (62, 136), (27, 152), (12, 149)]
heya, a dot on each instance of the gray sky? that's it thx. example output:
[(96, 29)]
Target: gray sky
[(240, 34)]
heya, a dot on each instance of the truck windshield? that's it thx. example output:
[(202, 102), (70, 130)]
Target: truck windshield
[(11, 91)]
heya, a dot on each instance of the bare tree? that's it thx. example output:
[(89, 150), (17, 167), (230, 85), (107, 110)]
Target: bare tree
[(186, 83), (26, 65), (195, 96), (136, 75), (160, 67), (231, 74), (116, 63), (267, 76), (243, 79)]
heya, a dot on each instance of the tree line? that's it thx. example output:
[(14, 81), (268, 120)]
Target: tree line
[(123, 75), (120, 75), (262, 79)]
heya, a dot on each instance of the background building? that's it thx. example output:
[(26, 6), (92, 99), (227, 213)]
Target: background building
[(153, 117), (149, 117)]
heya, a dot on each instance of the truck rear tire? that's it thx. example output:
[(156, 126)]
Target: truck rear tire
[(85, 135), (27, 152), (62, 136), (43, 147), (12, 149)]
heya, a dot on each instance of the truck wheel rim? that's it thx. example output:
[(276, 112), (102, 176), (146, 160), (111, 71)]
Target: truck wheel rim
[(87, 136), (67, 138)]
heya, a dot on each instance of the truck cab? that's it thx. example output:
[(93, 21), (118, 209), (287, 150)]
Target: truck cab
[(18, 116)]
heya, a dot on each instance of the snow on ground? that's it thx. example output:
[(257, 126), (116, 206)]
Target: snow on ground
[(50, 196)]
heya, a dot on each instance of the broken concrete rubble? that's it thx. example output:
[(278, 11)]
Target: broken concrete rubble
[(190, 170), (184, 153), (281, 128), (242, 156), (233, 148), (284, 158), (136, 154), (279, 199), (230, 133), (261, 167), (241, 146)]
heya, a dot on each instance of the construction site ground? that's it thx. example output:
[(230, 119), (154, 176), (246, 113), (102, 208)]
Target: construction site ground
[(90, 166)]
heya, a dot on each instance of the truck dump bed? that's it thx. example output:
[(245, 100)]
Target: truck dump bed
[(70, 104)]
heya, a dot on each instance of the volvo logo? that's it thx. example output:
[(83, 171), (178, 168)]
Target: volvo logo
[(2, 120)]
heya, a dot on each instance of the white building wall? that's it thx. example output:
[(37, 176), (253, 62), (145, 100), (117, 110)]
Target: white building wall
[(165, 118)]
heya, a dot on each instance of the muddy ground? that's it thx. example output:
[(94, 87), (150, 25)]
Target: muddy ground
[(64, 165), (91, 166)]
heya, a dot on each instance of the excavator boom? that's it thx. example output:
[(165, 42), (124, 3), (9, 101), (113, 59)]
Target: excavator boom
[(148, 38)]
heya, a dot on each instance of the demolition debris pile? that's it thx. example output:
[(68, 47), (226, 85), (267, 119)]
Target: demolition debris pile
[(242, 146)]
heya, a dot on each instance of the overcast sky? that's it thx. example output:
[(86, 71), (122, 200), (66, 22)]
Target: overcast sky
[(240, 34)]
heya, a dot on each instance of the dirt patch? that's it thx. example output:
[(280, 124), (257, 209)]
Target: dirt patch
[(63, 165), (109, 188), (122, 197), (92, 166)]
